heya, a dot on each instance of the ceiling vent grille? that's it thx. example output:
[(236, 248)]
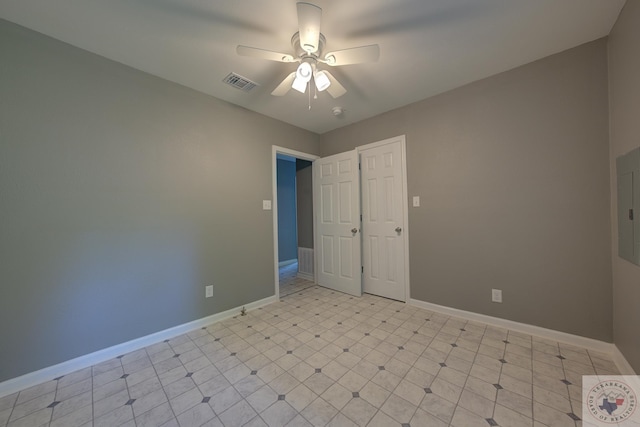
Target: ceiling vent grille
[(239, 82)]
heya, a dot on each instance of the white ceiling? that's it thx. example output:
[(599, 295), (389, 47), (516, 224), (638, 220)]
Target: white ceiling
[(426, 46)]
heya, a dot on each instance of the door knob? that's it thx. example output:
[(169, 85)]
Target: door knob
[(354, 230), (398, 229)]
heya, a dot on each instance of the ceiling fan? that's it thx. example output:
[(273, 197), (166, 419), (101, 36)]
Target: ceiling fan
[(308, 46)]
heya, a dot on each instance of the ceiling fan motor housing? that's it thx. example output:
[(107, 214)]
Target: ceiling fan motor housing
[(301, 53)]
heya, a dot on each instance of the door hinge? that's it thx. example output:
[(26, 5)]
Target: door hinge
[(362, 269), (631, 214)]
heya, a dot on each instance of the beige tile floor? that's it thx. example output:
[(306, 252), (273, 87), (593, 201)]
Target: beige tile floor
[(317, 358)]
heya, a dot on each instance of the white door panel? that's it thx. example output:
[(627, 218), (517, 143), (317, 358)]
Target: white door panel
[(383, 221), (336, 190)]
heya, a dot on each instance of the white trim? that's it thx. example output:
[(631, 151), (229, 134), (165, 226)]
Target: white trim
[(405, 196), (275, 150), (47, 374), (588, 343), (287, 262), (621, 362)]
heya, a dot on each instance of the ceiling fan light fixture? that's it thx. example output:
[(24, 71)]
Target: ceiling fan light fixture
[(300, 85), (304, 72), (322, 80)]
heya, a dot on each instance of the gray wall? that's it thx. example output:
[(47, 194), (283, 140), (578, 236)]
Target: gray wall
[(513, 175), (287, 235), (624, 98), (120, 199), (304, 194)]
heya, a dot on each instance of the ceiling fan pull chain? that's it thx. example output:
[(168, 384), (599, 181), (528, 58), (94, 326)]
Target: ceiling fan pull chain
[(309, 95)]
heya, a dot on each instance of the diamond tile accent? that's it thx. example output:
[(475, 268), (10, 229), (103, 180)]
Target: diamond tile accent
[(381, 368), (355, 394), (491, 421), (574, 416), (442, 364), (53, 404), (253, 372), (400, 347), (189, 374), (454, 345), (124, 376), (427, 390), (281, 397), (318, 370), (176, 355), (506, 341), (289, 351), (206, 399), (130, 402), (498, 386), (561, 357), (345, 350), (566, 382), (502, 361)]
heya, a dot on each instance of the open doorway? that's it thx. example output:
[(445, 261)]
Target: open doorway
[(293, 220)]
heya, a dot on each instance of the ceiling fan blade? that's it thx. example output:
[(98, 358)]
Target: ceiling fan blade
[(309, 20), (355, 55), (284, 86), (270, 55), (335, 89)]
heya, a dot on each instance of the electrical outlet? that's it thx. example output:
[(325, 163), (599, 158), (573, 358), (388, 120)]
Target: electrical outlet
[(208, 291), (496, 295), (266, 205), (416, 201)]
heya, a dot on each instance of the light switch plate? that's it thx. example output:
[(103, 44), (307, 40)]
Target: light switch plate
[(416, 201), (496, 295), (266, 205), (208, 291)]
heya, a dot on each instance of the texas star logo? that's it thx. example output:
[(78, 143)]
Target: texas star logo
[(611, 401)]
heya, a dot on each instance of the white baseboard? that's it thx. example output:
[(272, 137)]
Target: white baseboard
[(621, 362), (47, 374), (589, 343), (287, 262)]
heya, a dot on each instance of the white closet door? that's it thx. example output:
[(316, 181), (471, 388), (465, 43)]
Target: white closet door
[(383, 230), (337, 209)]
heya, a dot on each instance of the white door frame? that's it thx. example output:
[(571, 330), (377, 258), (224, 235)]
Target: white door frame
[(275, 150), (405, 199)]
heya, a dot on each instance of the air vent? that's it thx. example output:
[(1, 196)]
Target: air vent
[(239, 82)]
